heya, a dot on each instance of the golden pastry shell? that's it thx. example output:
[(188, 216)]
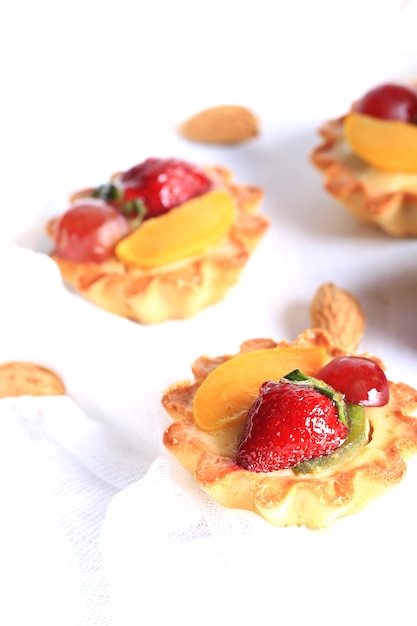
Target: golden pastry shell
[(180, 290), (281, 497), (384, 199)]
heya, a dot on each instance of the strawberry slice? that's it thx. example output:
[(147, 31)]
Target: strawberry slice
[(293, 420), (154, 186), (162, 184)]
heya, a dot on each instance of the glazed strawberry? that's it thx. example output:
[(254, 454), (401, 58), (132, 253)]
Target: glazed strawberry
[(162, 184), (289, 423)]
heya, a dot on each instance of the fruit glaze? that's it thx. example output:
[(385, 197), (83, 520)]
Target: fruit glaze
[(369, 158), (300, 433), (159, 241)]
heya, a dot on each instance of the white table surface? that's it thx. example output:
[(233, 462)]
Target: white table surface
[(94, 87)]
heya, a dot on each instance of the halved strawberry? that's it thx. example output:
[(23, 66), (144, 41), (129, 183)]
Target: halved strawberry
[(290, 422), (155, 186), (162, 184)]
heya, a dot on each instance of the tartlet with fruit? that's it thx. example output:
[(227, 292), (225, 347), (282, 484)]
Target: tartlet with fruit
[(159, 241), (368, 158), (300, 433)]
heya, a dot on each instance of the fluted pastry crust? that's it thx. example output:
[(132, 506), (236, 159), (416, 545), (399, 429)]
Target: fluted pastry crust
[(178, 290), (385, 199), (282, 497)]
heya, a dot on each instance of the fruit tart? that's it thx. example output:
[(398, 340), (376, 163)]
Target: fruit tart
[(368, 158), (159, 241), (301, 432)]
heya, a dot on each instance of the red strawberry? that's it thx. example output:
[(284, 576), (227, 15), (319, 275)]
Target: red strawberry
[(162, 184), (287, 424)]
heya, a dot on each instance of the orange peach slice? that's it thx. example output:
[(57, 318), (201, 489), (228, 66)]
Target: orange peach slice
[(181, 233), (388, 145), (225, 395)]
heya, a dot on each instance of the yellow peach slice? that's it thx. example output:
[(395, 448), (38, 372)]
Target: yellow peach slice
[(225, 395), (183, 232), (388, 145)]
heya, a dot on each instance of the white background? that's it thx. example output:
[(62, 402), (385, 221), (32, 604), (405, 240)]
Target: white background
[(89, 88), (94, 87)]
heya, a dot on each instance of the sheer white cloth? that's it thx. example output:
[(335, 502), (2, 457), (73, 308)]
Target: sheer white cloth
[(90, 533), (99, 525)]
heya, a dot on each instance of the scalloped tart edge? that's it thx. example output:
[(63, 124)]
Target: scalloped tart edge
[(178, 290), (395, 211), (283, 498)]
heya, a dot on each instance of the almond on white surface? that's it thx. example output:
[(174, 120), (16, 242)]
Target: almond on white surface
[(228, 124)]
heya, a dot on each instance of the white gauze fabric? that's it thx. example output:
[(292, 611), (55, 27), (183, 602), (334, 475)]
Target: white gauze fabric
[(100, 525)]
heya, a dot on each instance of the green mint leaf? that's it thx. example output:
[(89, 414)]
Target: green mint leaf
[(109, 191)]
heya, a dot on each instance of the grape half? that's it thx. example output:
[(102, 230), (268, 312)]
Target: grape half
[(389, 102), (88, 232), (361, 380)]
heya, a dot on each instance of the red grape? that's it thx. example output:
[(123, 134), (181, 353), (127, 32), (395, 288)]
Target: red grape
[(361, 380), (389, 102), (88, 231)]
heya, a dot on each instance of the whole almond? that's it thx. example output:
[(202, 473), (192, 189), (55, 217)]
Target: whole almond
[(23, 378), (228, 124), (340, 313)]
